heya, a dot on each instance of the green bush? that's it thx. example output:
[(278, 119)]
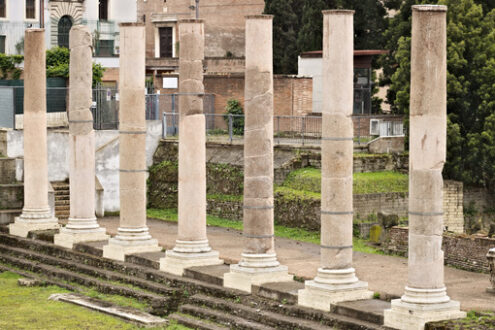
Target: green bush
[(234, 108)]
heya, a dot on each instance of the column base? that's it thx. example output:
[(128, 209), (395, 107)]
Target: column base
[(32, 220), (332, 286), (255, 269), (117, 248), (410, 316), (176, 262), (68, 237)]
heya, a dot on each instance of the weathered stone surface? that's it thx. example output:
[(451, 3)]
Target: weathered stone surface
[(491, 260), (192, 247), (425, 297), (82, 225), (133, 235), (36, 214), (336, 280)]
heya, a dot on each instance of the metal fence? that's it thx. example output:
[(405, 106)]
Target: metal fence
[(305, 130), (105, 106)]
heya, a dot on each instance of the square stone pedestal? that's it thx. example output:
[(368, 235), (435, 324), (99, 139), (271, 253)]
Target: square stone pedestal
[(408, 316), (117, 249), (21, 227), (67, 238), (242, 278), (175, 262), (321, 296)]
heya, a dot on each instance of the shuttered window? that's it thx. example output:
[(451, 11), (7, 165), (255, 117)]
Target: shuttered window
[(3, 9), (30, 9)]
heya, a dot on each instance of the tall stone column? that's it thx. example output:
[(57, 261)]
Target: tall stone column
[(425, 297), (82, 226), (336, 279), (259, 262), (133, 235), (191, 248), (36, 214)]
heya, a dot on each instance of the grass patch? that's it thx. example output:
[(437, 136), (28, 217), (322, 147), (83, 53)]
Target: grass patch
[(309, 180), (29, 308), (224, 198), (296, 234)]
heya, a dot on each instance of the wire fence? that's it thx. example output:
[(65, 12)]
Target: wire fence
[(105, 106), (305, 130)]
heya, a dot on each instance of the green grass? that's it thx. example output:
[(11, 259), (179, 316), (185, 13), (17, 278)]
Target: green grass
[(309, 180), (296, 234), (29, 308)]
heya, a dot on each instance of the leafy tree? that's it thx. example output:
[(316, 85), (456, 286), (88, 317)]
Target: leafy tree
[(285, 27), (57, 65), (234, 108), (470, 87), (9, 66)]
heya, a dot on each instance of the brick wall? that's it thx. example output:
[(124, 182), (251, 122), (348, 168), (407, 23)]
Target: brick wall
[(465, 252), (453, 206), (292, 95), (395, 203)]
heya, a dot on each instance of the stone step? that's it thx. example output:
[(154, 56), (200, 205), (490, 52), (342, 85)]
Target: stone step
[(367, 310), (139, 272), (257, 314), (233, 322), (149, 259), (160, 305), (90, 271), (209, 274), (63, 192), (61, 202), (62, 208), (62, 197), (195, 323)]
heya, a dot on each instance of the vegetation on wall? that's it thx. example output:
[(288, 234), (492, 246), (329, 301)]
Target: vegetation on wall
[(470, 92), (9, 66), (234, 108), (57, 65)]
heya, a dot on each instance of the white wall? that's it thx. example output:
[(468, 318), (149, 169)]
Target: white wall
[(14, 25), (119, 10), (313, 67), (107, 157)]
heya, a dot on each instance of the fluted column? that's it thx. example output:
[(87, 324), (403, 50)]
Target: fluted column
[(336, 279), (133, 235), (425, 297), (259, 262), (192, 248), (82, 225), (36, 213)]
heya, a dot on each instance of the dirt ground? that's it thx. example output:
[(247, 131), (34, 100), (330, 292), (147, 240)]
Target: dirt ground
[(384, 274)]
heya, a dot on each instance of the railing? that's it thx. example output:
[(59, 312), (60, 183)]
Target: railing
[(105, 37), (105, 106), (304, 130)]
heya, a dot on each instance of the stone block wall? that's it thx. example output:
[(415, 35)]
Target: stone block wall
[(461, 251), (453, 199), (394, 203)]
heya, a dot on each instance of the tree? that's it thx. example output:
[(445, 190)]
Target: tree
[(285, 27), (470, 87), (57, 65)]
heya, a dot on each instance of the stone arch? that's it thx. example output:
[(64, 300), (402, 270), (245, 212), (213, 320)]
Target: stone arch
[(59, 9), (64, 25)]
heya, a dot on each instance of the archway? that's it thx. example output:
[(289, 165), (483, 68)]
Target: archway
[(64, 26)]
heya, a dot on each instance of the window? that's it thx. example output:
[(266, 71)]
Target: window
[(104, 48), (30, 9), (103, 10), (2, 44), (3, 9), (64, 26), (165, 41)]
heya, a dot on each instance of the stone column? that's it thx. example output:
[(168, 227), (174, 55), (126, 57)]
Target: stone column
[(192, 248), (425, 297), (36, 214), (336, 279), (259, 262), (491, 262), (133, 235), (82, 224)]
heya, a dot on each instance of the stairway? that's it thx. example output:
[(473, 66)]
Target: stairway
[(195, 303), (62, 199)]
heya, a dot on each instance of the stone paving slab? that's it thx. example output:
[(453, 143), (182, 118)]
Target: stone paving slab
[(384, 274)]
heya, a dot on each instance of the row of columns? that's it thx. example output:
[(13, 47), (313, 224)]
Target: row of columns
[(425, 298)]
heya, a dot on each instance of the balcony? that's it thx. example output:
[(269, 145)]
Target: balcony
[(105, 37)]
